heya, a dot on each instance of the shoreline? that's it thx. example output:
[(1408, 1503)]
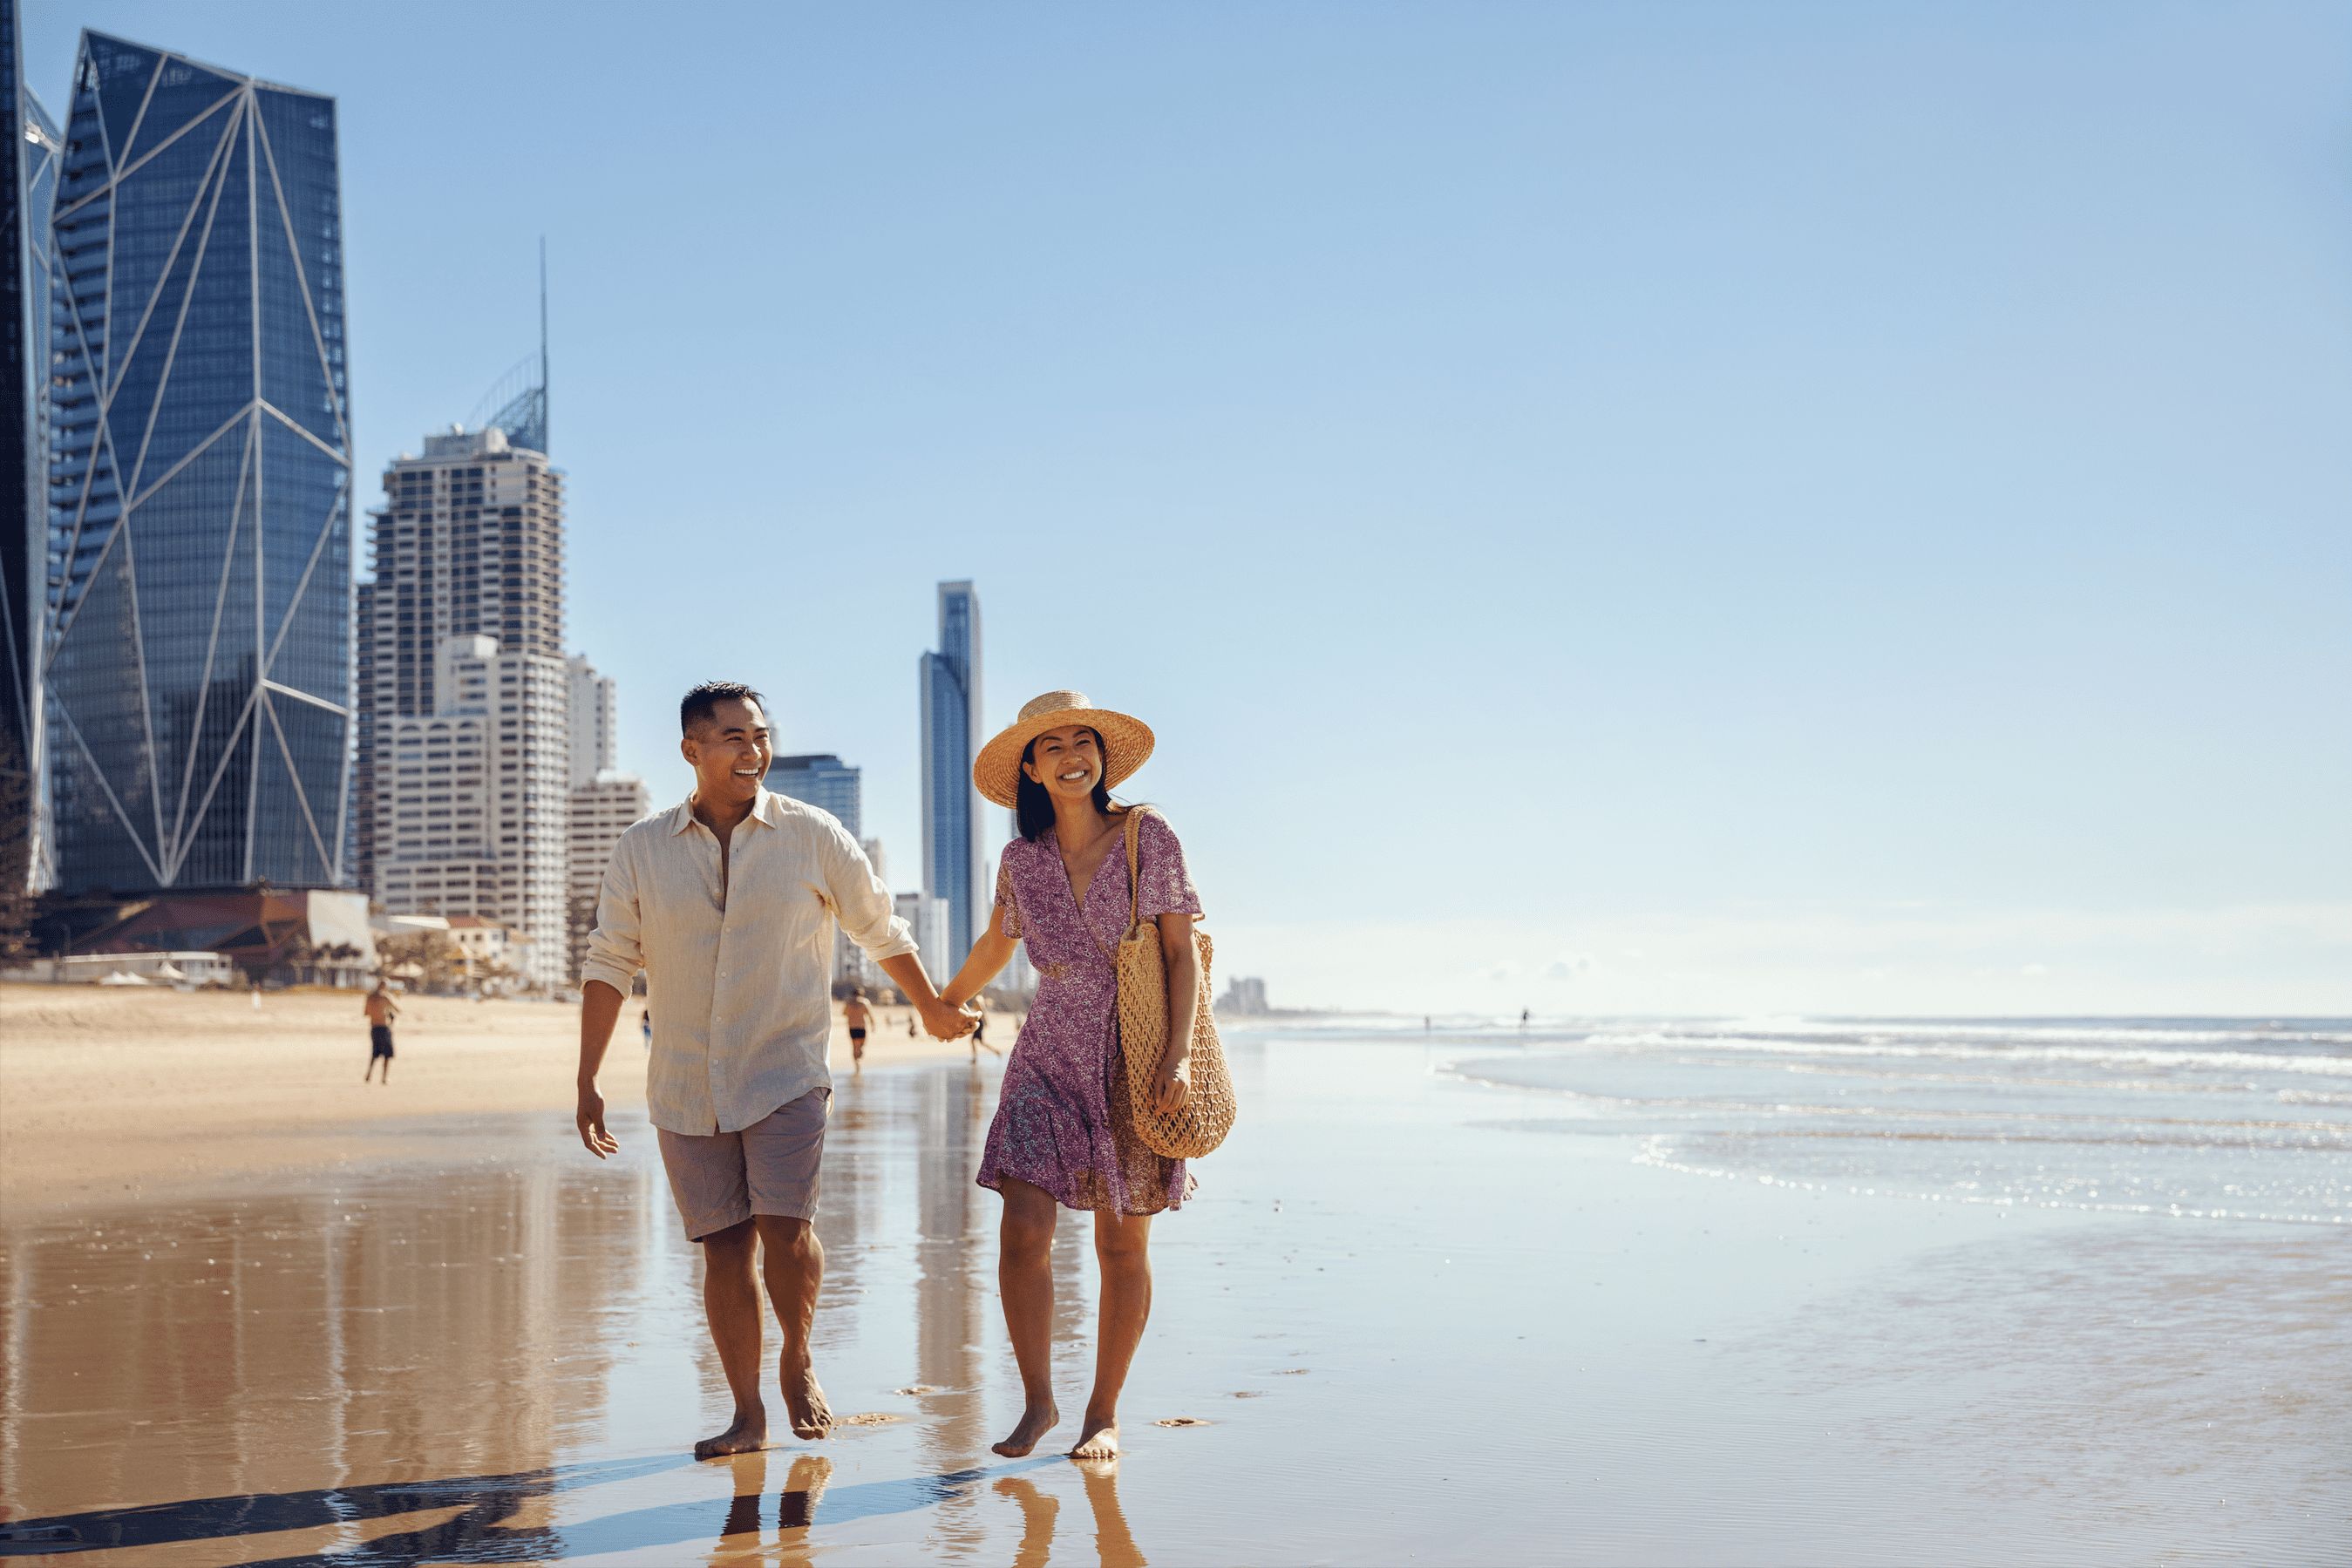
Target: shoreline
[(113, 1094)]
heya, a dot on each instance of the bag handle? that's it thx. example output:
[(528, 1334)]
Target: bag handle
[(1134, 870)]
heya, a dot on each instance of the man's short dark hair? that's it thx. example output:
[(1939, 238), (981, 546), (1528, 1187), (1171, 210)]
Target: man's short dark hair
[(699, 704)]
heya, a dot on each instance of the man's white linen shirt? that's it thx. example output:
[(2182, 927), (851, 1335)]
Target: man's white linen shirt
[(740, 980)]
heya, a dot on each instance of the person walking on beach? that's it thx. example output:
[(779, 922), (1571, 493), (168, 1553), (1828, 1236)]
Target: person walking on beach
[(859, 1018), (1063, 1133), (380, 1013), (727, 902), (645, 1026)]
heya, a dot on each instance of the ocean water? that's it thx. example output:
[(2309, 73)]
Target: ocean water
[(2200, 1119)]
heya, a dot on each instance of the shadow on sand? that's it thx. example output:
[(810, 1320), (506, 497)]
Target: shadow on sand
[(479, 1531)]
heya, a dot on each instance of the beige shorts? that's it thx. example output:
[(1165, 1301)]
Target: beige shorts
[(769, 1168)]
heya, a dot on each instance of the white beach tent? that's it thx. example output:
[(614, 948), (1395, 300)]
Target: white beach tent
[(118, 977)]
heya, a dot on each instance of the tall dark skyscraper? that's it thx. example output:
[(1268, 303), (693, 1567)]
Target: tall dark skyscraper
[(200, 678), (28, 180), (951, 739)]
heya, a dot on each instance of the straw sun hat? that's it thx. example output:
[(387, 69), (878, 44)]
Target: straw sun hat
[(1126, 742)]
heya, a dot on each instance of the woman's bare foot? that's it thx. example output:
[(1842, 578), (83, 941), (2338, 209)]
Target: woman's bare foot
[(1035, 1422), (749, 1432), (804, 1405), (1099, 1439)]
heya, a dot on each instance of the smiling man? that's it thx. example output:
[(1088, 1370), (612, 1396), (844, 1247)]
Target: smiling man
[(727, 902)]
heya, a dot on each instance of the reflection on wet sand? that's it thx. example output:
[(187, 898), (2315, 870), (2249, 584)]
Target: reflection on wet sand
[(467, 1363), (392, 1333), (1114, 1542), (739, 1537)]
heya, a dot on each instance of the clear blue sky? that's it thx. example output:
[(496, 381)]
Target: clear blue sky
[(1609, 507)]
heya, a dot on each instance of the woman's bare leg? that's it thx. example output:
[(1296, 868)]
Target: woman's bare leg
[(1025, 1278), (1122, 1248)]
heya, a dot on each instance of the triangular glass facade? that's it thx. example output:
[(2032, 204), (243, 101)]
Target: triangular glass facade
[(200, 618)]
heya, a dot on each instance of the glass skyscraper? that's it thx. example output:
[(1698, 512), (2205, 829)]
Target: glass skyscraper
[(824, 781), (200, 661), (952, 740), (29, 181)]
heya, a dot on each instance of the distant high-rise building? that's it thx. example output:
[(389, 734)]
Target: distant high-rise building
[(952, 740), (593, 706), (831, 786), (468, 550), (926, 922), (601, 809), (472, 815), (29, 182), (200, 712), (824, 781)]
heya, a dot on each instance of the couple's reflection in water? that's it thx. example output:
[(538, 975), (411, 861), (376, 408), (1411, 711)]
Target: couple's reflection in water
[(778, 1530)]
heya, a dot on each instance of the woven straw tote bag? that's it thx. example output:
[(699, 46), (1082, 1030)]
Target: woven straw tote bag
[(1208, 1112)]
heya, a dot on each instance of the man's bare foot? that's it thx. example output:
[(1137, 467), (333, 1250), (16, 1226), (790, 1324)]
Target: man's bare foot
[(1099, 1440), (804, 1405), (1034, 1423), (749, 1432)]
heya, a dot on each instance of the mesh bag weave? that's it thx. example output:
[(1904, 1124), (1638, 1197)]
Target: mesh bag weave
[(1207, 1114)]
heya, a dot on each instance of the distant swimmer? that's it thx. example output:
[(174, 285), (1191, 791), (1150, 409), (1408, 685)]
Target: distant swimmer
[(380, 1013), (860, 1018)]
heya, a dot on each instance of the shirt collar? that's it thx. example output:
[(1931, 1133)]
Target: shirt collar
[(767, 809)]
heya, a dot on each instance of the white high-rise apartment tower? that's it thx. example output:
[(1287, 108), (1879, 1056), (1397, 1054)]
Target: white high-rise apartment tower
[(468, 550), (591, 722), (602, 810), (462, 827)]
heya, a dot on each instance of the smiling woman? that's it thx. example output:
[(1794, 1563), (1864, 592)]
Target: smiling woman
[(1062, 1136)]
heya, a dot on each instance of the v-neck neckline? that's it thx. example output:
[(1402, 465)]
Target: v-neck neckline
[(1079, 896)]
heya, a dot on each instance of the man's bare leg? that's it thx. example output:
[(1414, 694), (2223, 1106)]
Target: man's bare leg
[(1025, 1278), (792, 1260), (731, 1301), (1122, 1248)]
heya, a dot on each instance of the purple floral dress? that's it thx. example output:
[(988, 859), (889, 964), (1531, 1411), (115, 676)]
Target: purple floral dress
[(1058, 1125)]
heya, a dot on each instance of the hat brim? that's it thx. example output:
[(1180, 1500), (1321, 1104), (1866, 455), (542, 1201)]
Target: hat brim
[(1127, 745)]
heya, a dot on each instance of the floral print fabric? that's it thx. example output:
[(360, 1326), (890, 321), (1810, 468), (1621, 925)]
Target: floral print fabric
[(1058, 1125)]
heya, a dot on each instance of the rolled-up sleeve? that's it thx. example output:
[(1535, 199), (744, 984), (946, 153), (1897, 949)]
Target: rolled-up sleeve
[(615, 954), (860, 902)]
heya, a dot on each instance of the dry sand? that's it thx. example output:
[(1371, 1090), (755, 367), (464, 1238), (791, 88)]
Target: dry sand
[(109, 1091)]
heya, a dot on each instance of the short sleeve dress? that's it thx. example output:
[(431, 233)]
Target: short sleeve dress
[(1058, 1125)]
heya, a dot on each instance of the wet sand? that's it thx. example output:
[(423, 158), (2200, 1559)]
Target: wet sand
[(1409, 1319), (120, 1094)]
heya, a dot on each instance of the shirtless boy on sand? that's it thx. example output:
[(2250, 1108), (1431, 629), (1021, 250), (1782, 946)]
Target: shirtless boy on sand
[(380, 1013), (860, 1018)]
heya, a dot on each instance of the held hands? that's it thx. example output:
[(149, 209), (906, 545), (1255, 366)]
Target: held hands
[(1173, 1084), (590, 1119), (942, 1021)]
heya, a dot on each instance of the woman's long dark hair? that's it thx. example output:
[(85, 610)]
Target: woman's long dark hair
[(1032, 808)]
